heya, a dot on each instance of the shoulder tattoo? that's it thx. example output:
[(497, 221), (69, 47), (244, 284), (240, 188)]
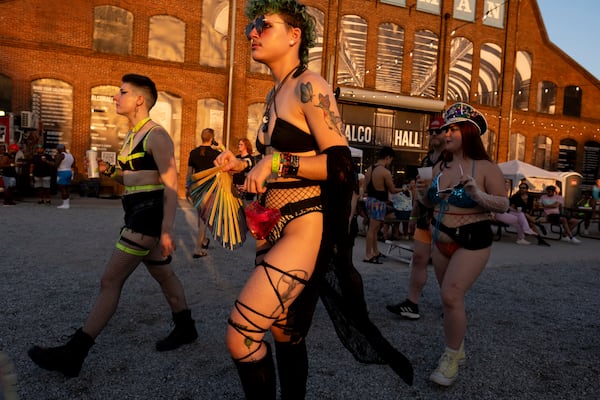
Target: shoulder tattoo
[(333, 121)]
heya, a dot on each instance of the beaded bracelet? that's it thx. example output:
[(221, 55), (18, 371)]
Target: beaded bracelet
[(289, 165)]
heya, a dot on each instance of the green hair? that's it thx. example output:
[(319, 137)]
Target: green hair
[(294, 14)]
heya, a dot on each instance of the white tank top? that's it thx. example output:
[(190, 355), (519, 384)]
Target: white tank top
[(66, 163)]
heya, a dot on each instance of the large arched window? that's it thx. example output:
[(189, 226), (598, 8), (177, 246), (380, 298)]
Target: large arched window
[(424, 64), (213, 33), (541, 152), (591, 159), (167, 112), (546, 98), (352, 53), (108, 129), (572, 101), (567, 155), (52, 101), (166, 39), (516, 147), (113, 30), (255, 115), (461, 65), (389, 58), (490, 67), (522, 80)]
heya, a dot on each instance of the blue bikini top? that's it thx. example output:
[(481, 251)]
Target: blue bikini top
[(458, 197)]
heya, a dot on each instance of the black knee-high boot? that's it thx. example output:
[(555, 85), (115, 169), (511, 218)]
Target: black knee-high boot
[(292, 365), (183, 333), (67, 359), (258, 377)]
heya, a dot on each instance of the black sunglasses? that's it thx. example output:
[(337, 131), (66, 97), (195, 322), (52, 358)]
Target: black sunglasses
[(435, 131), (260, 24)]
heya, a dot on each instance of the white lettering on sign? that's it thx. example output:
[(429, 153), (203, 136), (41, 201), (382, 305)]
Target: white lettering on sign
[(404, 138), (464, 6), (493, 9), (359, 133), (432, 2)]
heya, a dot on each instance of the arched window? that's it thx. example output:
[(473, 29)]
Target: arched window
[(591, 158), (546, 99), (541, 152), (108, 129), (516, 147), (167, 112), (490, 67), (352, 53), (113, 30), (572, 101), (461, 65), (213, 34), (166, 39), (52, 101), (522, 80), (424, 64), (389, 58), (255, 114), (567, 155)]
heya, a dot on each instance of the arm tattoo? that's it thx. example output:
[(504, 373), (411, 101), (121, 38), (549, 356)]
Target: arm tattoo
[(333, 121)]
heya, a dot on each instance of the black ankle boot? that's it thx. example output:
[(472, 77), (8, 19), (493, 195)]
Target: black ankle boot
[(183, 333), (292, 365), (67, 359), (258, 377)]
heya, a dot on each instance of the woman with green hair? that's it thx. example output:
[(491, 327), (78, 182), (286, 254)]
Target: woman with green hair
[(306, 173)]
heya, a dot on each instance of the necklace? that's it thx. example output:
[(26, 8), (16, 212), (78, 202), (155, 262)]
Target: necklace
[(133, 131), (266, 116)]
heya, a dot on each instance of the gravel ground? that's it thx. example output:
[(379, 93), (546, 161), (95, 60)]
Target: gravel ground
[(534, 326)]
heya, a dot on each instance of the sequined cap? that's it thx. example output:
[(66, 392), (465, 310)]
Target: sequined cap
[(463, 112)]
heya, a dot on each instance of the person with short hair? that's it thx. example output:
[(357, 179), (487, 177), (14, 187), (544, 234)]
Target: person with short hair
[(8, 171), (421, 215), (65, 170), (201, 158), (41, 169), (146, 167)]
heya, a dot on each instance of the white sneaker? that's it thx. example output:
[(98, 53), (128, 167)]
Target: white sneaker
[(566, 239), (64, 206), (530, 232), (447, 370), (523, 241), (574, 240)]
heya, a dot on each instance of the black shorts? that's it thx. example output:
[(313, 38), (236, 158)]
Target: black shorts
[(475, 236), (144, 212)]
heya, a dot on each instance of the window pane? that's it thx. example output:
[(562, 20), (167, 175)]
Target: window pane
[(113, 30), (424, 64), (166, 39), (389, 58), (490, 66), (461, 60), (213, 34), (353, 41), (546, 97), (522, 80)]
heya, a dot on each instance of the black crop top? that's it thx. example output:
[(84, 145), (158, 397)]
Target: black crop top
[(138, 159), (289, 138)]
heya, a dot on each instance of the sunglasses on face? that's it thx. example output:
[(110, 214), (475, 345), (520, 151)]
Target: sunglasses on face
[(260, 24), (523, 188), (435, 131)]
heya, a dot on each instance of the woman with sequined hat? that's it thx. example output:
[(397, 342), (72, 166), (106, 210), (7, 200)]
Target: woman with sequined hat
[(466, 187), (307, 174)]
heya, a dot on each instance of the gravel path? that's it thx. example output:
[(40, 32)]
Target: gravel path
[(534, 323)]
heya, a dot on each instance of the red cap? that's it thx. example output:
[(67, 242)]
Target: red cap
[(436, 123), (13, 147)]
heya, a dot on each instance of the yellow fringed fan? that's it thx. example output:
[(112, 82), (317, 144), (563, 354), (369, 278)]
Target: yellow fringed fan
[(220, 208)]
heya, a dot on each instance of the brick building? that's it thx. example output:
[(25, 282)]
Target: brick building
[(395, 64)]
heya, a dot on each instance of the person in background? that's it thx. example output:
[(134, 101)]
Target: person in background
[(378, 185), (148, 171), (553, 204), (307, 173), (41, 170), (9, 173), (402, 203), (466, 187), (201, 158), (245, 148), (586, 202), (524, 201), (65, 169), (596, 191), (421, 216)]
